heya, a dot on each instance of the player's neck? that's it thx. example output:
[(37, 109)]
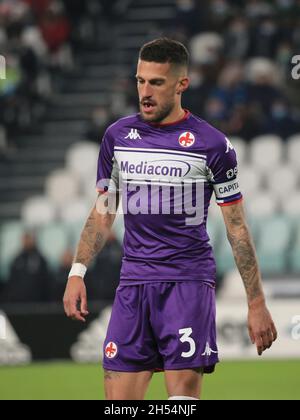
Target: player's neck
[(177, 115)]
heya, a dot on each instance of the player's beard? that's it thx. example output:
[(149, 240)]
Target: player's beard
[(160, 114)]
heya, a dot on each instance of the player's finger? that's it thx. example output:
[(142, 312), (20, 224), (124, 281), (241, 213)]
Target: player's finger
[(66, 307), (259, 344), (78, 317), (267, 342), (83, 306), (252, 337), (270, 338), (73, 311), (274, 332)]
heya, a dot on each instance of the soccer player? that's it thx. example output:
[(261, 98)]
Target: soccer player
[(163, 317)]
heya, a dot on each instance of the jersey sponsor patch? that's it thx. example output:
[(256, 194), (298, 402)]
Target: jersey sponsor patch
[(153, 165)]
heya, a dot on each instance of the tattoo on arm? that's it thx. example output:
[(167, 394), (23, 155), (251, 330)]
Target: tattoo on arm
[(91, 241), (244, 253), (94, 235)]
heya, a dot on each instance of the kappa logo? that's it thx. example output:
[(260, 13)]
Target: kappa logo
[(111, 350), (208, 351), (133, 135), (187, 140), (229, 145)]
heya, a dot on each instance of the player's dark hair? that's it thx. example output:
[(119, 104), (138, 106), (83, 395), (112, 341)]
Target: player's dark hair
[(165, 50)]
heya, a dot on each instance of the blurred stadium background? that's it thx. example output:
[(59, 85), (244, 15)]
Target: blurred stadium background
[(70, 69)]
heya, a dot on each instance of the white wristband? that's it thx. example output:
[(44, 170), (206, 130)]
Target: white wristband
[(78, 270)]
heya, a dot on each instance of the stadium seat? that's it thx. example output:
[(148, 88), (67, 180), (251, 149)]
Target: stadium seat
[(291, 206), (260, 67), (89, 191), (53, 242), (241, 148), (62, 187), (253, 224), (32, 38), (282, 182), (75, 211), (232, 288), (214, 210), (82, 159), (74, 231), (38, 211), (119, 228), (11, 234), (223, 252), (275, 240), (293, 150), (262, 205), (294, 257), (266, 153), (214, 230), (250, 181), (205, 47), (3, 138)]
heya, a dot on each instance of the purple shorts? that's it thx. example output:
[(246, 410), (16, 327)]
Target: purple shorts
[(162, 326)]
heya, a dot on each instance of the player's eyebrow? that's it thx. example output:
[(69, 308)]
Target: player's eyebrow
[(154, 80)]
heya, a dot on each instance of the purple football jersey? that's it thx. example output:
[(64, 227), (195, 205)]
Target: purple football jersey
[(154, 165)]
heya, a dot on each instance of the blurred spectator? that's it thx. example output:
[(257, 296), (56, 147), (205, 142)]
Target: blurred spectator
[(256, 9), (23, 92), (101, 280), (38, 6), (105, 275), (9, 85), (245, 122), (206, 48), (264, 84), (29, 279), (237, 38), (98, 124), (215, 112), (232, 88), (56, 29), (3, 144), (190, 18), (61, 277), (282, 120), (265, 38)]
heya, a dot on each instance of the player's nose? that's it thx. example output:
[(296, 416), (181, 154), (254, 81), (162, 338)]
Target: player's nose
[(147, 91)]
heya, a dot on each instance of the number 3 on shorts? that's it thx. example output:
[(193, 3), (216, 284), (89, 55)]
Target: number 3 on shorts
[(186, 338)]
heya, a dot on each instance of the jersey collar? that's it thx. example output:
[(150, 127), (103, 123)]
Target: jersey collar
[(186, 116)]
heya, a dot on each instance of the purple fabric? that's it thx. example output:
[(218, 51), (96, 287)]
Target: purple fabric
[(166, 326), (163, 247)]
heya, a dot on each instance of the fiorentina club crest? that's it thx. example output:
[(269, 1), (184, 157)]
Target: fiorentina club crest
[(111, 350), (187, 140)]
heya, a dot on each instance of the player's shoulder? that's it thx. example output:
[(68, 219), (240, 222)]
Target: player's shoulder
[(124, 122), (214, 139)]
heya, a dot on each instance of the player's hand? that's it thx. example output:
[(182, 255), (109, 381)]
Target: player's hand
[(262, 329), (75, 299)]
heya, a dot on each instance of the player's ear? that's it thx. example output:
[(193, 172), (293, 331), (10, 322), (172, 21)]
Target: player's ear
[(183, 85)]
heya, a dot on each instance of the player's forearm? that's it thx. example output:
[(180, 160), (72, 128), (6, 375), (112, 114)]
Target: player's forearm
[(247, 262), (94, 235)]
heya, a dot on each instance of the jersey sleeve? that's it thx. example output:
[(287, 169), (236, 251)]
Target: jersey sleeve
[(107, 171), (223, 172)]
